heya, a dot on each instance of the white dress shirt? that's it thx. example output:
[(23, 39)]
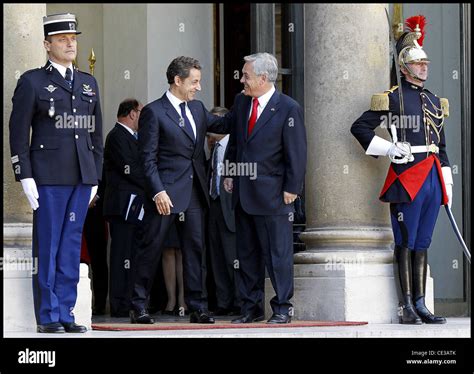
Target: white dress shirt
[(175, 102), (127, 128), (262, 102), (62, 69), (220, 159)]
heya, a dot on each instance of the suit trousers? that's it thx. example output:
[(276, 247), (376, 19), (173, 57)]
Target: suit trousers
[(264, 241), (223, 257), (124, 240), (190, 226)]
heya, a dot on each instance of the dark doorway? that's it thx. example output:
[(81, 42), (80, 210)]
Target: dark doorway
[(236, 47)]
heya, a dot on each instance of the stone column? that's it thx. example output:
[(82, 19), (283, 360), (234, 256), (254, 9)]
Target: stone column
[(22, 50), (346, 272)]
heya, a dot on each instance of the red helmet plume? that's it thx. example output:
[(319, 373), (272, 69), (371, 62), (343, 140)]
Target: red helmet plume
[(417, 24)]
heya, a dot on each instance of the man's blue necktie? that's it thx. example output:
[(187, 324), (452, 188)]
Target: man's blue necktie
[(187, 123), (68, 77)]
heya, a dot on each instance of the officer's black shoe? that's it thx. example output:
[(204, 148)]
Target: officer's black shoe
[(402, 273), (141, 316), (419, 267), (200, 316), (73, 327), (50, 328), (249, 318), (279, 318)]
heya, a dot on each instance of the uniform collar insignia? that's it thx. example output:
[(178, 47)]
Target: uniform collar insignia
[(49, 66), (50, 88)]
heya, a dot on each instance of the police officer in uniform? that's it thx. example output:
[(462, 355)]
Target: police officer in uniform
[(419, 179), (59, 168)]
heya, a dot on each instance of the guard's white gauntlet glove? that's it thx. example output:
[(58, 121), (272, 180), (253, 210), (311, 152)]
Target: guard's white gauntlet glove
[(31, 192)]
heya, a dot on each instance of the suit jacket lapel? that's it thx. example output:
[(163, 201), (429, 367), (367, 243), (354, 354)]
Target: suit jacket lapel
[(270, 109), (171, 112), (245, 118), (198, 120)]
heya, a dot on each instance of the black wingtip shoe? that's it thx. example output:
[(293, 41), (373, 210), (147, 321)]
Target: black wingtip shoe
[(141, 316), (279, 318), (200, 316), (50, 328), (74, 328)]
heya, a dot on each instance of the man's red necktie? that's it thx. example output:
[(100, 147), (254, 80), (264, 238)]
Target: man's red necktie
[(253, 116)]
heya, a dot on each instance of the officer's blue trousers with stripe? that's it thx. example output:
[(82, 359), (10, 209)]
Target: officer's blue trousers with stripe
[(413, 223), (57, 235)]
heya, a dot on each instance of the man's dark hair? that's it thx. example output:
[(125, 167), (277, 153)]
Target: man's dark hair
[(181, 67), (127, 106)]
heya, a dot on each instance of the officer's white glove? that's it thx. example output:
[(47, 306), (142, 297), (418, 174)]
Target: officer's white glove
[(448, 183), (93, 193), (449, 192), (31, 192)]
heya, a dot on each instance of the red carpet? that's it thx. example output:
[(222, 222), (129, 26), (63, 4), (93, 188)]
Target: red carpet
[(219, 325)]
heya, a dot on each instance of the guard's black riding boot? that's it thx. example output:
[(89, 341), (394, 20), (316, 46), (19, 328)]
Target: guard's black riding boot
[(419, 267), (402, 273)]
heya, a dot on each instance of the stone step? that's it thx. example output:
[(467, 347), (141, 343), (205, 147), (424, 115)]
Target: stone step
[(455, 328), (18, 311)]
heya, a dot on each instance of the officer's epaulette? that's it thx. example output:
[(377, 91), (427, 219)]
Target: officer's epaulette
[(31, 71), (444, 106), (82, 71), (381, 101)]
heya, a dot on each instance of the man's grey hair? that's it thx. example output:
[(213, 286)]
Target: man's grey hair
[(264, 64)]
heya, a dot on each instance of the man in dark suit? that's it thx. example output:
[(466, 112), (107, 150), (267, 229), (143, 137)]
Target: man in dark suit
[(171, 138), (268, 145), (59, 170), (124, 175), (221, 229)]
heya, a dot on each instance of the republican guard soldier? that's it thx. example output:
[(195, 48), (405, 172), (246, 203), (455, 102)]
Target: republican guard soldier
[(419, 178)]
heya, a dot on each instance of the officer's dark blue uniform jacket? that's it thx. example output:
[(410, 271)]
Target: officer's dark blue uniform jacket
[(417, 133), (65, 149)]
